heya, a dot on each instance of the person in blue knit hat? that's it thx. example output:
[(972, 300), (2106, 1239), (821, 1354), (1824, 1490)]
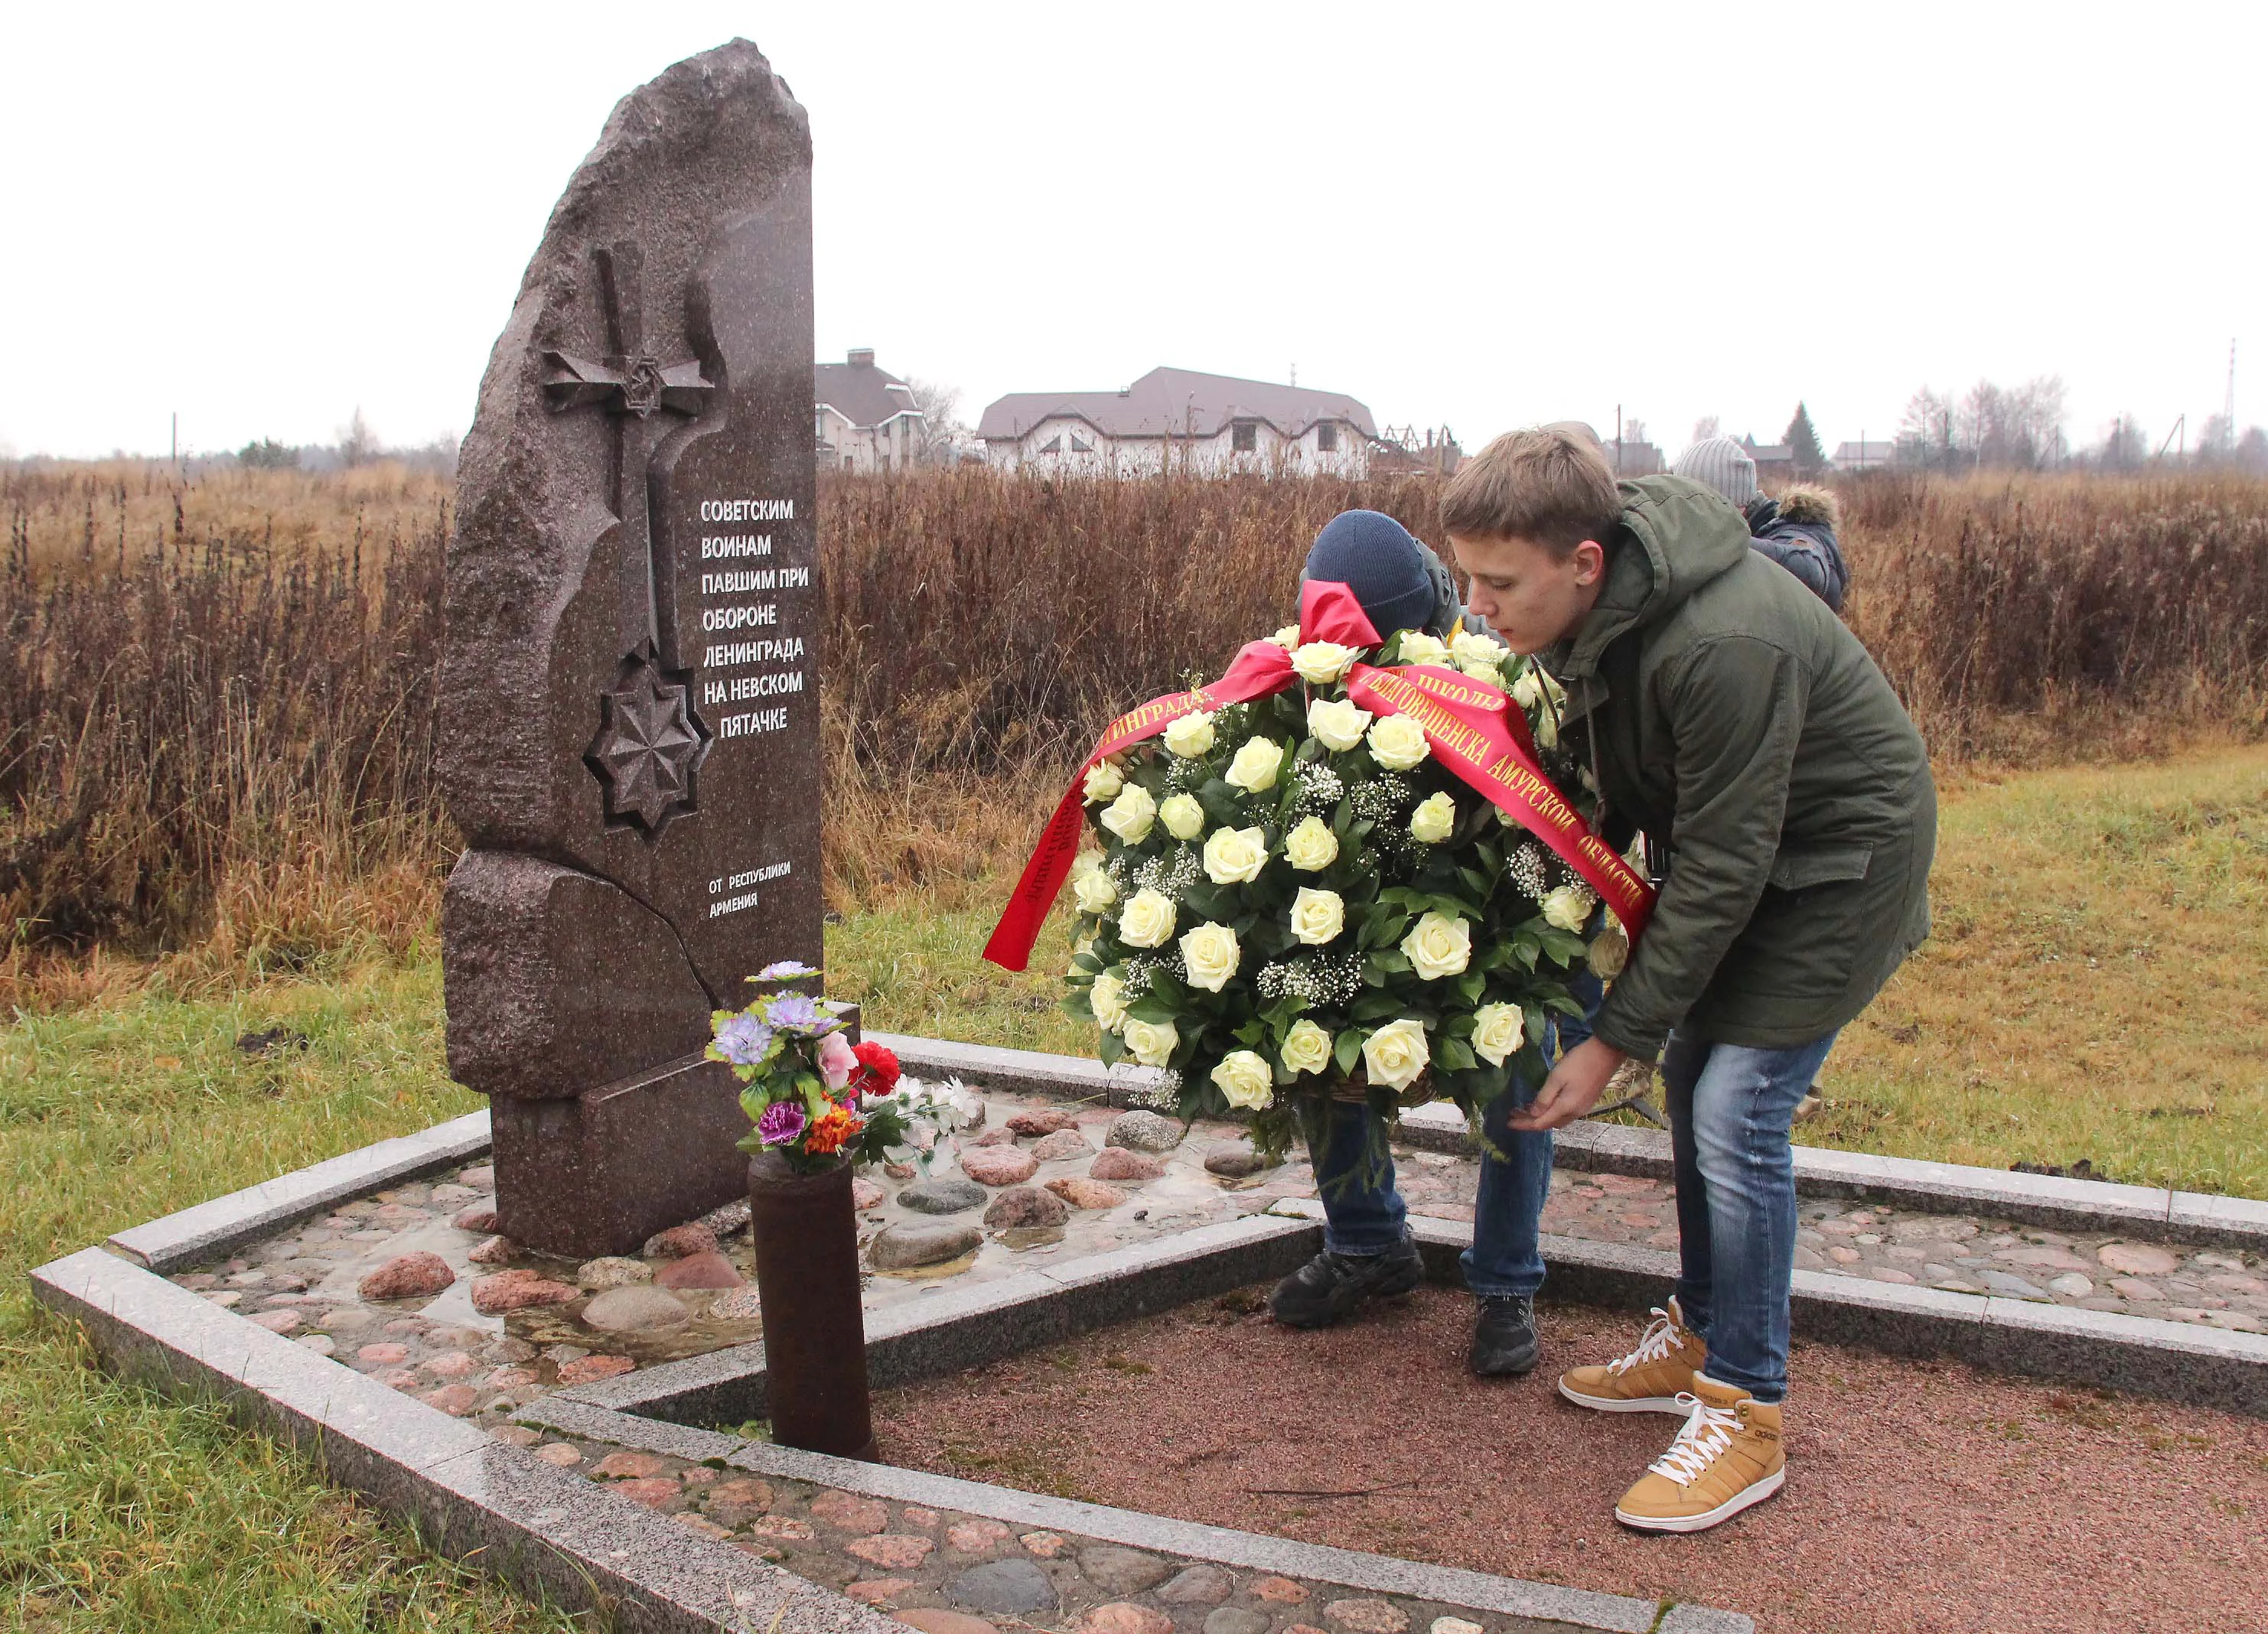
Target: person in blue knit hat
[(1367, 1250)]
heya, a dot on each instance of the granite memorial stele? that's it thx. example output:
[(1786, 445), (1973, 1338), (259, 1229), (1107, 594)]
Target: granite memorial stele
[(629, 742)]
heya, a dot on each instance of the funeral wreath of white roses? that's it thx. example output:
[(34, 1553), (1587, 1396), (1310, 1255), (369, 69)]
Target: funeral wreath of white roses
[(1293, 901)]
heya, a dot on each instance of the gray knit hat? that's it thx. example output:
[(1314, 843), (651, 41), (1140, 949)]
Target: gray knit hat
[(1724, 465)]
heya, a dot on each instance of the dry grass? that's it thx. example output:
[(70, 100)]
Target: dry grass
[(217, 698)]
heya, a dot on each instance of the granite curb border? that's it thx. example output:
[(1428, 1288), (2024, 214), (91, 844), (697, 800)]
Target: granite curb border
[(207, 1230), (1581, 1609), (552, 1534), (2150, 1213)]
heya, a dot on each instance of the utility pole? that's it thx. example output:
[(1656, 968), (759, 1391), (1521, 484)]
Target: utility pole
[(1618, 439), (2228, 402), (174, 455)]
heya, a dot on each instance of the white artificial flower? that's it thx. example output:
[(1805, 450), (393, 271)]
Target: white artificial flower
[(1438, 945), (1190, 735), (1152, 1042), (1245, 1080), (1397, 742), (1397, 1053), (1321, 661), (1317, 916), (1235, 856), (1147, 919), (1183, 817), (1256, 765), (1498, 1031), (1130, 814), (1337, 723), (1108, 997), (1311, 847), (1211, 953), (1418, 647), (1435, 816), (1307, 1046), (1569, 906), (1094, 890), (1103, 782)]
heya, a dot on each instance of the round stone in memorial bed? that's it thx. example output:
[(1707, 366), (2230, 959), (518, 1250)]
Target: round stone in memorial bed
[(680, 1241), (612, 1271), (941, 1197), (1002, 1588), (999, 1166), (638, 1308), (708, 1270), (906, 1247), (1082, 1193), (1120, 1571), (1064, 1142), (517, 1291), (1234, 1162), (1043, 1120), (1021, 1206), (407, 1277), (1121, 1163), (1144, 1131)]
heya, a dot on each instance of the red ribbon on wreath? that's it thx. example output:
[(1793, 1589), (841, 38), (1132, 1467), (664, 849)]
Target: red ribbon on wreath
[(1472, 728)]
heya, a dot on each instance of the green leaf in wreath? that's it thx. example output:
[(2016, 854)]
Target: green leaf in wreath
[(1454, 1054), (1349, 1049)]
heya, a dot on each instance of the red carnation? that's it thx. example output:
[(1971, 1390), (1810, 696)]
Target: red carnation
[(877, 1072)]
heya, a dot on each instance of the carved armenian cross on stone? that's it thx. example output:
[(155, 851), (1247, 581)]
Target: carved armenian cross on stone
[(651, 741)]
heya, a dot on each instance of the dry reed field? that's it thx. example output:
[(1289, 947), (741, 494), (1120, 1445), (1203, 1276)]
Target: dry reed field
[(217, 696)]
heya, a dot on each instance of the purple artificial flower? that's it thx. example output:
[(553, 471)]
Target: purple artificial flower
[(782, 1123), (785, 970), (797, 1012), (743, 1040)]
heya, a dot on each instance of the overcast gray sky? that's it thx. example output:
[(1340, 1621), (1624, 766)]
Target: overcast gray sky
[(264, 217)]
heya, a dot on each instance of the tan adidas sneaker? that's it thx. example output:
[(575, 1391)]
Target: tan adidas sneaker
[(1728, 1457), (1654, 1378)]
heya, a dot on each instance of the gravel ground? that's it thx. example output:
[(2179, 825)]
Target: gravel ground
[(1921, 1496)]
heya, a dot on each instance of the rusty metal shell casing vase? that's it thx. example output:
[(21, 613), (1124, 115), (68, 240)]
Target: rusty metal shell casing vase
[(806, 1242)]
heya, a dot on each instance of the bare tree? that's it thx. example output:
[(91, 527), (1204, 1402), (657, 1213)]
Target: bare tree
[(1704, 428), (357, 442), (942, 431)]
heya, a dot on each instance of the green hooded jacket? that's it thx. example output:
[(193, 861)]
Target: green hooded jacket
[(1731, 717)]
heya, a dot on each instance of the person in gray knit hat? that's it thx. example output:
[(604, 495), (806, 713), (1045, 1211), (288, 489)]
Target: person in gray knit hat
[(1797, 530)]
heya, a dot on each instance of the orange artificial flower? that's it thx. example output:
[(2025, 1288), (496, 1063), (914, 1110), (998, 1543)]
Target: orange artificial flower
[(835, 1128)]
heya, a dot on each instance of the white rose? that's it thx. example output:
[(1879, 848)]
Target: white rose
[(1397, 742), (1190, 735), (1569, 906), (1212, 953), (1337, 723), (1471, 647), (1307, 1046), (1286, 637), (1499, 1030), (1438, 945), (1147, 919), (1094, 890), (1108, 997), (1609, 951), (1152, 1042), (1311, 847), (1256, 765), (1546, 727), (1130, 814), (1245, 1080), (1487, 674), (1396, 1053), (1528, 692), (1418, 647), (1183, 817), (1321, 661), (1103, 782), (1435, 816), (1235, 856), (1317, 916)]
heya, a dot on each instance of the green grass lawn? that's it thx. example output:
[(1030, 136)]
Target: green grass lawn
[(2093, 990)]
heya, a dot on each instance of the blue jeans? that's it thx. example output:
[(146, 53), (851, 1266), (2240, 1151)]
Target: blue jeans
[(1730, 1109)]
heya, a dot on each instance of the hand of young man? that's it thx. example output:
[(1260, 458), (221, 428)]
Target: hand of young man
[(1572, 1089)]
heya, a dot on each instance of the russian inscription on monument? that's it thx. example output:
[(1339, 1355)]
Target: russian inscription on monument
[(629, 712)]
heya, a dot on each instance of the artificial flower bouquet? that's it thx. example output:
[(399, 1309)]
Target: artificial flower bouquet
[(1293, 897), (814, 1098)]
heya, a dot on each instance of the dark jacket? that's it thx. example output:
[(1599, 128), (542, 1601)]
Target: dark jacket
[(1730, 715), (1797, 530)]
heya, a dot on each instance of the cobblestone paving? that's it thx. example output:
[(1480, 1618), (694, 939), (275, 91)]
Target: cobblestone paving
[(944, 1573), (473, 1325)]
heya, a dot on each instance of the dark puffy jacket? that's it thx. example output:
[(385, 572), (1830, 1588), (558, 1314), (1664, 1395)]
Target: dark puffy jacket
[(1797, 530), (1733, 719)]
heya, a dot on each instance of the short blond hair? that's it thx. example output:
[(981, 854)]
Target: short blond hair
[(1547, 484)]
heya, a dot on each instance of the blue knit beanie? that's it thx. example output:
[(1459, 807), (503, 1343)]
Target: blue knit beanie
[(1400, 585)]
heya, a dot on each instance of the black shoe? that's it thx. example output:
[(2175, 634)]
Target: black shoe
[(1503, 1337), (1328, 1287)]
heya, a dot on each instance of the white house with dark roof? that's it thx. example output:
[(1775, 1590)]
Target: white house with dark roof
[(863, 418), (1177, 419)]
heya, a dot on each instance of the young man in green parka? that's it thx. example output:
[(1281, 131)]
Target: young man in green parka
[(1785, 798)]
